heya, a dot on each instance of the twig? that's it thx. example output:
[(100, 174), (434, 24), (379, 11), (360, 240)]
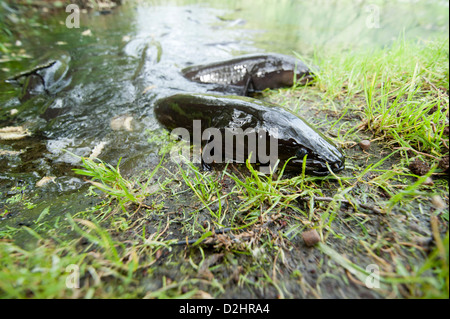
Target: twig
[(411, 149)]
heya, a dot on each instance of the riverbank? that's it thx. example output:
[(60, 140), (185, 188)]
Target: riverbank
[(247, 231)]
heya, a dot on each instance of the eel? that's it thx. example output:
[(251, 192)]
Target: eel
[(49, 76), (295, 138), (252, 73)]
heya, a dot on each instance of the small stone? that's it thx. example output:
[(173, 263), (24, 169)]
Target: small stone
[(311, 237), (122, 122), (438, 202), (13, 133), (419, 168), (364, 144), (13, 111), (428, 182)]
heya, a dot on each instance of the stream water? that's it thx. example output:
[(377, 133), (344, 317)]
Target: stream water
[(122, 62)]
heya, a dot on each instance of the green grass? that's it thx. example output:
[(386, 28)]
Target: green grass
[(401, 91)]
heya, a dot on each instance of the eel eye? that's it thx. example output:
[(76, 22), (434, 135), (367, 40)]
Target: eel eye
[(301, 153)]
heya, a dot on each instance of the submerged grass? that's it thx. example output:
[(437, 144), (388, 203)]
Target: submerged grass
[(112, 183)]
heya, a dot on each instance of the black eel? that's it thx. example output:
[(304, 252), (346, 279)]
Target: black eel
[(252, 73)]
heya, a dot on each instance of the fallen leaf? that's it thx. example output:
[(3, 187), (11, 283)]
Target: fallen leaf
[(97, 150), (45, 180), (148, 88), (87, 33), (13, 133)]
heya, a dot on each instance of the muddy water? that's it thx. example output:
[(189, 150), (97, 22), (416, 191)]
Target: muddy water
[(124, 61)]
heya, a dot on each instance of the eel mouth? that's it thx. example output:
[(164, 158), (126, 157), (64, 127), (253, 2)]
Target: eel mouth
[(317, 167), (336, 167)]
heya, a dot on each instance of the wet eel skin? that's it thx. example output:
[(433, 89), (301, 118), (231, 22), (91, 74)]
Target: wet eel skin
[(253, 73), (295, 137)]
